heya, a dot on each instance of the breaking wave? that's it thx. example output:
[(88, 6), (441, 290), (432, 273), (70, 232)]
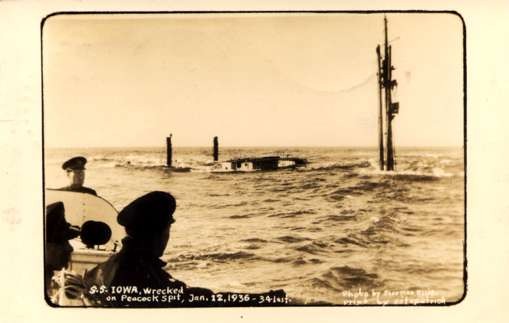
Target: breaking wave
[(435, 174), (346, 166)]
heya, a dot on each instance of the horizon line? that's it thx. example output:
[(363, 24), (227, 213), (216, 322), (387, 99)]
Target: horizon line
[(261, 146)]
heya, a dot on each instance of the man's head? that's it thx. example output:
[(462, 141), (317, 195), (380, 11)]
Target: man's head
[(75, 169), (148, 220), (58, 234)]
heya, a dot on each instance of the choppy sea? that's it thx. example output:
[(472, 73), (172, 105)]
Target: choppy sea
[(336, 227)]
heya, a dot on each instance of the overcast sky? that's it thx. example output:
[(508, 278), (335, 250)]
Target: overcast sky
[(251, 79)]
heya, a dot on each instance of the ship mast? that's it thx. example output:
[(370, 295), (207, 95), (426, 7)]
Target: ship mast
[(391, 108), (380, 111)]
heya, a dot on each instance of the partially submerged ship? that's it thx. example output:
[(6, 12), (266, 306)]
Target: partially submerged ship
[(264, 163), (243, 164)]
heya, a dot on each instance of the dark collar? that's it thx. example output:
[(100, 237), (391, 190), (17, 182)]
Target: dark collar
[(134, 249)]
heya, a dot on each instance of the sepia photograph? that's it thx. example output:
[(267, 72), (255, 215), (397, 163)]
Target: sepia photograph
[(269, 159)]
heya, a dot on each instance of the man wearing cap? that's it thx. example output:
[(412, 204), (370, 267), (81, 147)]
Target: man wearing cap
[(147, 222), (57, 254), (75, 169)]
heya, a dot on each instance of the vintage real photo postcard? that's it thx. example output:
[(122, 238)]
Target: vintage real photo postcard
[(225, 159)]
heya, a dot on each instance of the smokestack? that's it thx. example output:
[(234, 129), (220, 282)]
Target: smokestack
[(216, 149), (169, 151)]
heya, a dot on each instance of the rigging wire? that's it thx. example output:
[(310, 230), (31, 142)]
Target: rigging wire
[(358, 85)]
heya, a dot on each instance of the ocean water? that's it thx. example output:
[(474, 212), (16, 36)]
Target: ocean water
[(331, 231)]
